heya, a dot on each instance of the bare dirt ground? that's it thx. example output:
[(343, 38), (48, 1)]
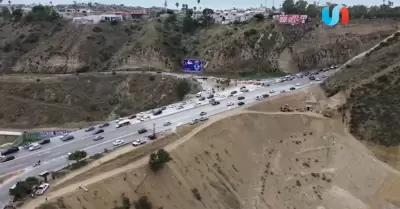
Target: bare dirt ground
[(246, 159)]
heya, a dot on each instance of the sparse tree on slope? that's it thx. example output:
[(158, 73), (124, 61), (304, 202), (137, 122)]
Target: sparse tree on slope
[(158, 159)]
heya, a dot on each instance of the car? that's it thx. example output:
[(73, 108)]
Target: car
[(45, 141), (163, 108), (229, 104), (132, 117), (118, 142), (259, 97), (210, 96), (292, 88), (138, 142), (298, 84), (98, 131), (244, 90), (157, 112), (27, 145), (197, 104), (91, 128), (67, 138), (194, 121), (104, 125), (4, 159), (240, 98), (142, 131), (317, 79), (202, 98), (63, 136), (271, 91), (215, 103), (233, 92), (42, 188), (240, 103), (167, 123), (203, 113), (98, 137), (265, 95), (179, 107), (283, 91), (34, 147), (324, 76), (203, 119), (312, 78), (10, 151), (119, 119)]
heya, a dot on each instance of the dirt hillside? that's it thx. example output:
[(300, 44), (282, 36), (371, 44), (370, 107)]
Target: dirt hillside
[(371, 85), (252, 160), (161, 44), (34, 101)]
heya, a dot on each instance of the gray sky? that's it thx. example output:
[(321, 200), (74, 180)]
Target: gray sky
[(214, 4)]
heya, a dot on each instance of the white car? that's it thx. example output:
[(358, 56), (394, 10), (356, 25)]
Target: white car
[(119, 119), (197, 104), (229, 104), (317, 79), (298, 84), (271, 91), (42, 189), (34, 147), (167, 123), (64, 135), (118, 142), (259, 97), (138, 142)]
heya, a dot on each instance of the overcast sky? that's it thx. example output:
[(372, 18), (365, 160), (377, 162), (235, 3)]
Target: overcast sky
[(215, 4)]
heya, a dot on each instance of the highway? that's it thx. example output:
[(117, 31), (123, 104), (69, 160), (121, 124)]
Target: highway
[(54, 155)]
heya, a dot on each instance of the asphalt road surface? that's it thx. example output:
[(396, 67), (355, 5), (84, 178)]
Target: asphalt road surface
[(54, 155)]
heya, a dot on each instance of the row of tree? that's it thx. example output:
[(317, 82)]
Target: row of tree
[(38, 13), (356, 11)]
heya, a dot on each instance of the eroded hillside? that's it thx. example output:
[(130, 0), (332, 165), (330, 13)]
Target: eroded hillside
[(27, 101), (161, 44), (371, 85), (251, 160)]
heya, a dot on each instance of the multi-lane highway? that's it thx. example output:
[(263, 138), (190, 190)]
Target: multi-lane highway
[(54, 155)]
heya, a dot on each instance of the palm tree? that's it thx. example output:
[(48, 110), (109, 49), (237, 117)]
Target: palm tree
[(177, 5), (9, 2)]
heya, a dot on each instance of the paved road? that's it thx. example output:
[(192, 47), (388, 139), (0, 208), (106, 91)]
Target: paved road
[(54, 155)]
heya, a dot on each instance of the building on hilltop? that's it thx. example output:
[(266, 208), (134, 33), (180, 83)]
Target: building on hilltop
[(95, 19)]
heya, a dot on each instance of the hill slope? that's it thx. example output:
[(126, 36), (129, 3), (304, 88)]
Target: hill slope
[(255, 46), (27, 102), (371, 85), (253, 160)]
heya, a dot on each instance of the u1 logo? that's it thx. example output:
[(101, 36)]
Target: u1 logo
[(331, 21)]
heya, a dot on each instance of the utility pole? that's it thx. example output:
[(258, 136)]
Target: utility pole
[(154, 129)]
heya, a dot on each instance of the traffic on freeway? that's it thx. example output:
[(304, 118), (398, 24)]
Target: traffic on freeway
[(54, 155)]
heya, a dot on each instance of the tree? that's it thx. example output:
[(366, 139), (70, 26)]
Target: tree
[(177, 5), (77, 155), (259, 17), (24, 188), (158, 159), (17, 14), (182, 89), (143, 203), (312, 10), (288, 6)]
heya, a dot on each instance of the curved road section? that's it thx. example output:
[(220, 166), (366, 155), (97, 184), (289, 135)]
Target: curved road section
[(54, 155)]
